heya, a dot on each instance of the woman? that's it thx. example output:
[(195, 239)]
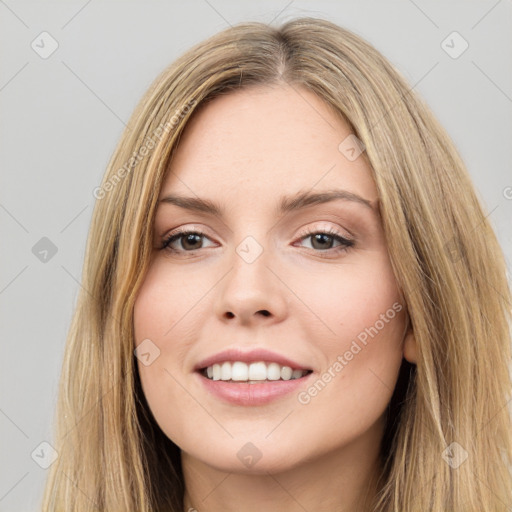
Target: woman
[(337, 337)]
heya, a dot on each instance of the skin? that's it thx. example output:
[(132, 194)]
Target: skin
[(245, 150)]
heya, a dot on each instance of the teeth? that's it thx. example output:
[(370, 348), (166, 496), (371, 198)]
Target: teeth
[(273, 371), (225, 371), (258, 371), (253, 372), (286, 373), (239, 371), (296, 374)]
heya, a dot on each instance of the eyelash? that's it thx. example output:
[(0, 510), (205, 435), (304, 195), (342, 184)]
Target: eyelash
[(346, 243)]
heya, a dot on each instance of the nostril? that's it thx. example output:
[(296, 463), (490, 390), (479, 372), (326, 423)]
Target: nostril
[(264, 312)]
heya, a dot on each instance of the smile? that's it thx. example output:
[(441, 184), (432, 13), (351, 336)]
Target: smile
[(256, 372)]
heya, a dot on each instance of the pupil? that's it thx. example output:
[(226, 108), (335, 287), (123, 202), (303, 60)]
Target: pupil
[(190, 239), (319, 237)]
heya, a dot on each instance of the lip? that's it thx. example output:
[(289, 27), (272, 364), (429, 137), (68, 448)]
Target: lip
[(251, 356), (243, 393)]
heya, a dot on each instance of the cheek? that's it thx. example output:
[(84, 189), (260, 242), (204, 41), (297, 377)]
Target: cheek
[(356, 384), (362, 324), (164, 299), (161, 323), (351, 300)]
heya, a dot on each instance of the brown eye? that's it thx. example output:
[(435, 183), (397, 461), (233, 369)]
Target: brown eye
[(188, 241), (322, 242)]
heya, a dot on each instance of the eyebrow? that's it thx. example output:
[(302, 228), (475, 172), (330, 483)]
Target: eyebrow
[(297, 202)]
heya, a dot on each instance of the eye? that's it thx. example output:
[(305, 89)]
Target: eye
[(188, 239), (323, 240)]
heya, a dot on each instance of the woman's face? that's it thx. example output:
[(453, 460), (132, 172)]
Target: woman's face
[(275, 335)]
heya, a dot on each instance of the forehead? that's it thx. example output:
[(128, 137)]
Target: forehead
[(263, 142)]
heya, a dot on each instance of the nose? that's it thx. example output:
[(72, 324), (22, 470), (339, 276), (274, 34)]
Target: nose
[(252, 292)]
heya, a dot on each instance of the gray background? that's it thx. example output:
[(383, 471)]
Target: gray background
[(61, 118)]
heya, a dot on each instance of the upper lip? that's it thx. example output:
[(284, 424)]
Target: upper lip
[(250, 356)]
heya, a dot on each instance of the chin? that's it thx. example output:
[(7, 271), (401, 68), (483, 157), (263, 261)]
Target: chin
[(242, 456)]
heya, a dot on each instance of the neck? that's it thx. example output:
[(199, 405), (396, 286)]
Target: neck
[(342, 480)]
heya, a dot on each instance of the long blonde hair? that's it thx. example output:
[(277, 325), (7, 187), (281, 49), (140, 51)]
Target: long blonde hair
[(446, 259)]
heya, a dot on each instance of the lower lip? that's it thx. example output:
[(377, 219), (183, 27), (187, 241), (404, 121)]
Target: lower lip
[(243, 393)]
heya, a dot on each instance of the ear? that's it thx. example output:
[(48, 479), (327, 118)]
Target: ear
[(410, 347)]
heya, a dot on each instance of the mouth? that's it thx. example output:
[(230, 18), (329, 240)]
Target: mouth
[(251, 378), (257, 372)]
